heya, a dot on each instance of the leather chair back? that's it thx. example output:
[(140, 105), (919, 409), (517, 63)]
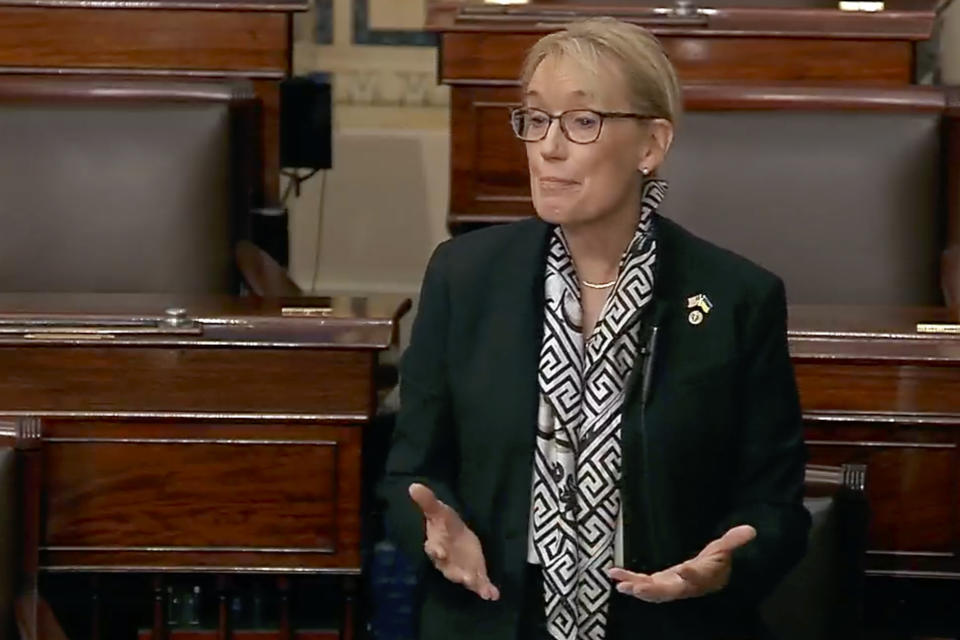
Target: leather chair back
[(123, 186), (9, 556), (838, 191)]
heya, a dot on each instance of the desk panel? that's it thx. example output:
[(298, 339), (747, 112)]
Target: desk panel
[(139, 39), (324, 384)]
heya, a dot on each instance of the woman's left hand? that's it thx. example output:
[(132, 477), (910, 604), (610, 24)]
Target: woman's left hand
[(708, 572)]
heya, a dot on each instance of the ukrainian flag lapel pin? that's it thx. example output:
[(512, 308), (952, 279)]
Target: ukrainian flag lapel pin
[(700, 306)]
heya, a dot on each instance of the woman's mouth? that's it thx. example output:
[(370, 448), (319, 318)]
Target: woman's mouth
[(551, 183)]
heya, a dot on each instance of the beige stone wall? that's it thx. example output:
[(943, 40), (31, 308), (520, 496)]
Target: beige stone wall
[(950, 45), (385, 200)]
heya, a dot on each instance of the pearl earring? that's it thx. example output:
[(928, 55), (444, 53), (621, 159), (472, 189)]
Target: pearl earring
[(645, 171)]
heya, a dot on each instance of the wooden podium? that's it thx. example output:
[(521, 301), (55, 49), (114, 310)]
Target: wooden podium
[(207, 435), (173, 39)]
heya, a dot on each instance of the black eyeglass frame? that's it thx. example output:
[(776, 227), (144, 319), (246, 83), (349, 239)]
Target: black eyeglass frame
[(559, 117)]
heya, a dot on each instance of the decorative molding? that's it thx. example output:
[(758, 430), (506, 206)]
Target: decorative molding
[(178, 569), (915, 554), (875, 444), (256, 74), (337, 418), (389, 88), (181, 549), (896, 418), (365, 35), (909, 573), (219, 441), (29, 431)]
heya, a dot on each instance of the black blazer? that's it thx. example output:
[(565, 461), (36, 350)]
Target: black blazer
[(715, 441)]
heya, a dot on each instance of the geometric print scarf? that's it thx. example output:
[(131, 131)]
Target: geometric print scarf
[(576, 500)]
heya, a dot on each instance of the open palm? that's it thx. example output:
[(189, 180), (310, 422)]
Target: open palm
[(709, 571), (453, 548)]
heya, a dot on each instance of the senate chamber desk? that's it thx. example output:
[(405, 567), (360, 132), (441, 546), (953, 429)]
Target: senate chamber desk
[(161, 39), (167, 435), (734, 42), (483, 43), (875, 391), (226, 439)]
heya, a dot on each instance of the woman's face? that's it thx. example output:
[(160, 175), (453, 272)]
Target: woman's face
[(575, 183)]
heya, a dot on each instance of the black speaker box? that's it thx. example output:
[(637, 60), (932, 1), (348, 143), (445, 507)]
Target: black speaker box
[(306, 122)]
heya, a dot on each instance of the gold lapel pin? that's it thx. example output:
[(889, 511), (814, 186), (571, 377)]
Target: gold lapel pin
[(700, 305)]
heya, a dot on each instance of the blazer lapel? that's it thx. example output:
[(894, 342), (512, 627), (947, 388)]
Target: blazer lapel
[(521, 272), (641, 385)]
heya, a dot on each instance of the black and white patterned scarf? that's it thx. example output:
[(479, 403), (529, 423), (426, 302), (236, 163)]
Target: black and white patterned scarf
[(576, 499)]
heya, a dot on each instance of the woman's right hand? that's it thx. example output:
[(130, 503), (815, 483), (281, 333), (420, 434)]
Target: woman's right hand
[(452, 547)]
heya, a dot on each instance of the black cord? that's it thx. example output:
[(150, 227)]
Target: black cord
[(316, 254), (295, 181)]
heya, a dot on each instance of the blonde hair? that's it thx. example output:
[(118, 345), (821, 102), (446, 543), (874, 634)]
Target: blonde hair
[(652, 85)]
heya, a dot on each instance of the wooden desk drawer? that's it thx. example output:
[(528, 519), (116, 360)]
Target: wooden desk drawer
[(200, 496), (899, 419), (912, 475), (471, 57), (880, 388), (141, 39), (323, 385)]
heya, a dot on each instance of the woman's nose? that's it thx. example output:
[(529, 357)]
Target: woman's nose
[(554, 143)]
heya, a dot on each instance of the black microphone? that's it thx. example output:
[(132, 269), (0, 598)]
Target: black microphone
[(651, 349)]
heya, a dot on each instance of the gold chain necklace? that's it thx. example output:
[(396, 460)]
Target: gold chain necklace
[(598, 285)]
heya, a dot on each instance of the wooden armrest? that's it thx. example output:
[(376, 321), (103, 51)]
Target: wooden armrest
[(261, 273), (950, 275), (35, 619)]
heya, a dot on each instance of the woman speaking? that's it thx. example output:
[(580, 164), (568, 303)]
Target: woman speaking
[(599, 434)]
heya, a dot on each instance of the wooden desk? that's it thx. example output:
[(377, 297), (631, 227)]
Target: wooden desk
[(482, 47), (236, 449), (227, 441), (732, 40), (876, 392), (176, 39)]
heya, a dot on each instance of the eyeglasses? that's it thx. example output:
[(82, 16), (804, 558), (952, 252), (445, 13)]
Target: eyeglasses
[(581, 126)]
